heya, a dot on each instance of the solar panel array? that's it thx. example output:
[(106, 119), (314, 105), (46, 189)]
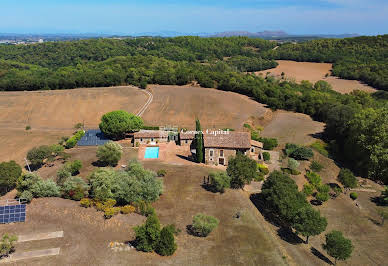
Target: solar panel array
[(12, 213), (93, 137)]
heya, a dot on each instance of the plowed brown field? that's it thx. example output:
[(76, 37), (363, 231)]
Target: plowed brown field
[(313, 72)]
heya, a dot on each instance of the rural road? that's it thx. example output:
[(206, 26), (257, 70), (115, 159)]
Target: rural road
[(149, 101)]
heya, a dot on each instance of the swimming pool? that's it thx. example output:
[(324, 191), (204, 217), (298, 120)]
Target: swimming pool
[(151, 153)]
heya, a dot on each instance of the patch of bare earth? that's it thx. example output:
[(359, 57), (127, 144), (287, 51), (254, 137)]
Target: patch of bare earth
[(292, 127), (313, 72)]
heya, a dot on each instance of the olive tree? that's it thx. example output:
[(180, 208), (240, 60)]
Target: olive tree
[(109, 153)]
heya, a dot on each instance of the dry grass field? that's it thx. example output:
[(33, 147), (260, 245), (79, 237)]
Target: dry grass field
[(62, 109), (313, 72), (292, 127), (180, 105)]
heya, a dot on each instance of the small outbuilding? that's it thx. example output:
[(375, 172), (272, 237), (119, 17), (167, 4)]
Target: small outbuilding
[(149, 136)]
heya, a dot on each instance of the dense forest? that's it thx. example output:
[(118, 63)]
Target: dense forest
[(356, 123)]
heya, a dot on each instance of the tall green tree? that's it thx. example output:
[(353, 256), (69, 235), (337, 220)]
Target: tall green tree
[(199, 142), (309, 222), (9, 174), (367, 144), (283, 197), (116, 123), (242, 170), (337, 246)]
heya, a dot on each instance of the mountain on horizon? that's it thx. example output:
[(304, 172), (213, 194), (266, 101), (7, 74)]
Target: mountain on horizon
[(262, 34)]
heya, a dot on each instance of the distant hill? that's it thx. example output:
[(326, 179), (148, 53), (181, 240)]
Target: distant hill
[(262, 34)]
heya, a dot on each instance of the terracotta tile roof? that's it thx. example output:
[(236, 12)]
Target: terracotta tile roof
[(150, 134), (187, 135), (234, 140), (255, 143)]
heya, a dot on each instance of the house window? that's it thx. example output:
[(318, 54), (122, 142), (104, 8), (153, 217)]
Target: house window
[(152, 139), (252, 149), (221, 153), (186, 141), (211, 153), (141, 139)]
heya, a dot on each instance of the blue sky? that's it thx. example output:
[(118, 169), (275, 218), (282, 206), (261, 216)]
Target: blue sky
[(129, 17)]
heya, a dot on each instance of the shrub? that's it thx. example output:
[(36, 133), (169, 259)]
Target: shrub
[(109, 153), (347, 178), (308, 189), (166, 245), (9, 174), (7, 244), (109, 203), (203, 224), (56, 149), (115, 124), (63, 140), (219, 181), (73, 167), (62, 175), (315, 166), (37, 155), (110, 212), (314, 179), (71, 142), (242, 170), (86, 203), (78, 126), (290, 148), (28, 127), (263, 169), (293, 164), (75, 188), (45, 188), (99, 206), (161, 172), (26, 180), (132, 185), (127, 209), (269, 143), (266, 156), (337, 190), (144, 208), (101, 183), (26, 195), (353, 195), (323, 193), (321, 147), (148, 234), (302, 153)]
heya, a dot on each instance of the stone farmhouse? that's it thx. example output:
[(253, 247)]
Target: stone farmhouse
[(219, 148), (186, 138)]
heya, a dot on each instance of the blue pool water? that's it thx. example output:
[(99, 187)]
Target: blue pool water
[(151, 153)]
